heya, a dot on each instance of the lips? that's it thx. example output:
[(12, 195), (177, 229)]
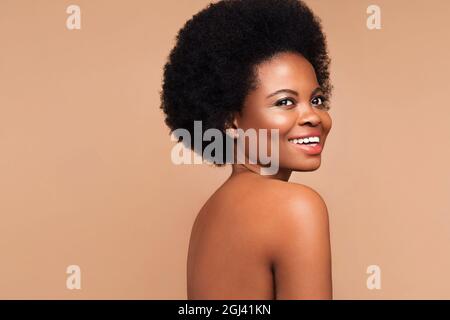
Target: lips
[(303, 142), (315, 133), (311, 149)]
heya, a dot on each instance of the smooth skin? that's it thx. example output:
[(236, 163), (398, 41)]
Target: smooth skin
[(262, 237)]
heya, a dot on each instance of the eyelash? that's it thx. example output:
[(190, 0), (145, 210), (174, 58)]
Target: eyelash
[(324, 105)]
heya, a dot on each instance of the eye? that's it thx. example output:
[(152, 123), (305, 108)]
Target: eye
[(320, 101), (284, 102)]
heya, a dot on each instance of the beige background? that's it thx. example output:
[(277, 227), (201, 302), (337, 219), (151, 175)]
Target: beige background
[(85, 170)]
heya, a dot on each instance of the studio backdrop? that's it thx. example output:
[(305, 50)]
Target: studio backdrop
[(88, 188)]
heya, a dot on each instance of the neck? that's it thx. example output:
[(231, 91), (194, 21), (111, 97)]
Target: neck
[(282, 174)]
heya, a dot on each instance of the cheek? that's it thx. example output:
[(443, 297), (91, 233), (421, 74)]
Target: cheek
[(327, 122), (283, 121)]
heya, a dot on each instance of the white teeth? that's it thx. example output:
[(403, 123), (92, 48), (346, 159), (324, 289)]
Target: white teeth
[(306, 140)]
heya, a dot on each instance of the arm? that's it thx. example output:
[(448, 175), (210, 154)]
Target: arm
[(301, 256)]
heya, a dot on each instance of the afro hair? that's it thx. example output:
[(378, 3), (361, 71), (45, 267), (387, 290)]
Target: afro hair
[(211, 68)]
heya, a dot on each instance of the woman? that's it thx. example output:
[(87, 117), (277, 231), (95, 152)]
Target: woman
[(256, 64)]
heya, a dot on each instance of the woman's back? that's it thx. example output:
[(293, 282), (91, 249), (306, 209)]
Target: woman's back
[(227, 257), (260, 238)]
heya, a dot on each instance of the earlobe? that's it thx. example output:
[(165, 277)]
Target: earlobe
[(231, 128)]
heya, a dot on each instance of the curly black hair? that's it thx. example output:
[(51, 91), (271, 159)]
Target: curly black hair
[(211, 68)]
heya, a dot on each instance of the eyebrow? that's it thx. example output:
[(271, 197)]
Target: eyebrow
[(318, 89)]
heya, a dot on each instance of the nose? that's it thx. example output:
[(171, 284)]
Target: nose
[(308, 115)]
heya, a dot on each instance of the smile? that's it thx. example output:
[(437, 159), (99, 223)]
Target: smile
[(310, 145), (314, 140)]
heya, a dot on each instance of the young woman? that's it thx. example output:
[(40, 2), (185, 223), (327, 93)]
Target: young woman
[(256, 64)]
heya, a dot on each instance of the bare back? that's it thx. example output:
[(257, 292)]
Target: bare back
[(227, 256), (259, 238)]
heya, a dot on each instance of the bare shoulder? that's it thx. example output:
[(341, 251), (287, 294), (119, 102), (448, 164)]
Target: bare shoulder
[(269, 210), (299, 241), (294, 202), (278, 201), (301, 204), (295, 212), (274, 230), (273, 190), (283, 211)]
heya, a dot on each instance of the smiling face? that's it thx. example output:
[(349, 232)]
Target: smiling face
[(288, 98)]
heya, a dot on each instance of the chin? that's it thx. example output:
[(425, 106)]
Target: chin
[(312, 166)]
